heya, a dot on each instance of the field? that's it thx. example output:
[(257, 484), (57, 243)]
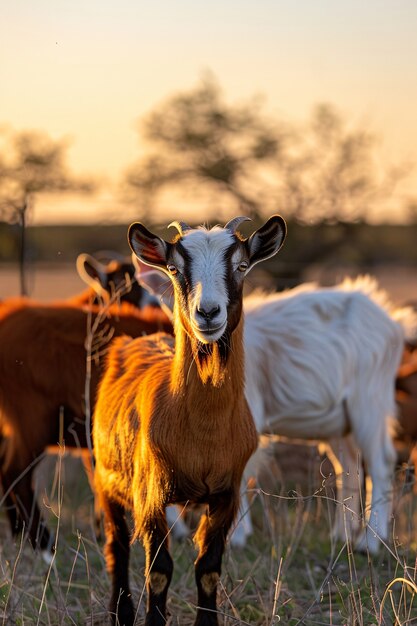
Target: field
[(291, 572)]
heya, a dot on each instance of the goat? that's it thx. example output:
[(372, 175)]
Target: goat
[(322, 366), (406, 396), (43, 369), (112, 281), (406, 386), (172, 426)]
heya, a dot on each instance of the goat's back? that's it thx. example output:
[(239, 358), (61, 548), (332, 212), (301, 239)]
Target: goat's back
[(306, 348), (43, 363)]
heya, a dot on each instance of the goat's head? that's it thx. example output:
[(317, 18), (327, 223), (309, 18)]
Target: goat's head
[(113, 279), (207, 268)]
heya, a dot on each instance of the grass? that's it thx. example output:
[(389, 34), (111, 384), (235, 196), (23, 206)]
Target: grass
[(291, 572)]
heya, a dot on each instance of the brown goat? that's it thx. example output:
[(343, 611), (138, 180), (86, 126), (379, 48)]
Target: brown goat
[(406, 396), (43, 369), (172, 426)]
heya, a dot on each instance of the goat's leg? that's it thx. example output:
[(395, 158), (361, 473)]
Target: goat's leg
[(261, 467), (344, 455), (117, 560), (17, 465), (7, 500), (211, 539), (243, 528), (88, 463), (17, 485), (15, 521), (369, 417), (380, 465), (159, 567)]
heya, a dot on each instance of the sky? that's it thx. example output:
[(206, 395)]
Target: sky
[(88, 70)]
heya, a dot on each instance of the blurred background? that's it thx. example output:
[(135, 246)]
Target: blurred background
[(115, 112)]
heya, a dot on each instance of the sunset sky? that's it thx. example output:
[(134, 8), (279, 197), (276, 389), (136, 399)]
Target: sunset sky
[(89, 69)]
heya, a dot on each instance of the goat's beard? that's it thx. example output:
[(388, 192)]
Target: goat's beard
[(211, 359)]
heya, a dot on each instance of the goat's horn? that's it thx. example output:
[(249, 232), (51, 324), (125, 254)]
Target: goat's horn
[(234, 224), (181, 227)]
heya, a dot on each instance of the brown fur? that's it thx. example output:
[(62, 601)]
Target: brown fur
[(154, 408), (406, 396), (164, 433), (172, 426), (43, 368)]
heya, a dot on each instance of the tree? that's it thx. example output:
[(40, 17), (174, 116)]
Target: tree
[(232, 156), (34, 164), (331, 172), (207, 148), (232, 159)]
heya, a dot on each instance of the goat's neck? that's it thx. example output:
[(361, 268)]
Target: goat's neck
[(202, 367)]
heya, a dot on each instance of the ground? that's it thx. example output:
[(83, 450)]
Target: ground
[(290, 572)]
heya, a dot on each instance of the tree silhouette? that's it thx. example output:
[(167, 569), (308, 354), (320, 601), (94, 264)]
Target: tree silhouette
[(331, 171), (208, 148), (233, 157), (32, 163)]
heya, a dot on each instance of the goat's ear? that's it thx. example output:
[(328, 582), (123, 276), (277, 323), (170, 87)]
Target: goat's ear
[(92, 271), (148, 247), (267, 240)]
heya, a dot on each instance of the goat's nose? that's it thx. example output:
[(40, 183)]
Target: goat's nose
[(208, 314)]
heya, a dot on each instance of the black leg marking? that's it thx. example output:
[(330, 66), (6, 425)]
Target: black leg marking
[(117, 560), (159, 567), (211, 537)]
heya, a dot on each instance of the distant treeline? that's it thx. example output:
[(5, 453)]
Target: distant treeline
[(357, 245)]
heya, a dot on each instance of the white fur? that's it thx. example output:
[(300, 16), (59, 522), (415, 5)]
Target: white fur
[(208, 277), (320, 364)]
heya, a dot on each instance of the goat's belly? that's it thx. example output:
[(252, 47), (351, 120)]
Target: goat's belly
[(198, 488), (313, 425), (195, 492)]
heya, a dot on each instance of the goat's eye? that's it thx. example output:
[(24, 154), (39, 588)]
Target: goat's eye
[(172, 269), (243, 266)]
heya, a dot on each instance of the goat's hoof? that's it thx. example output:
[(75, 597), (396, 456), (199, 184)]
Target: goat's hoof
[(122, 611), (206, 618), (156, 618)]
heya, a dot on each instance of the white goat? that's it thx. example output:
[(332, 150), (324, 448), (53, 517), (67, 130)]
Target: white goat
[(321, 365)]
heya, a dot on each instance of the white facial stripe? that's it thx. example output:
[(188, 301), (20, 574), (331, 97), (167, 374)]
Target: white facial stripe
[(206, 250)]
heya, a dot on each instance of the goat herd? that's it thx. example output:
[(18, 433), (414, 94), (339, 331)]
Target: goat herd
[(177, 422)]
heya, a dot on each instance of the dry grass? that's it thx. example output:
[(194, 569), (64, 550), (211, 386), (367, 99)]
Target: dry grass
[(290, 572)]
